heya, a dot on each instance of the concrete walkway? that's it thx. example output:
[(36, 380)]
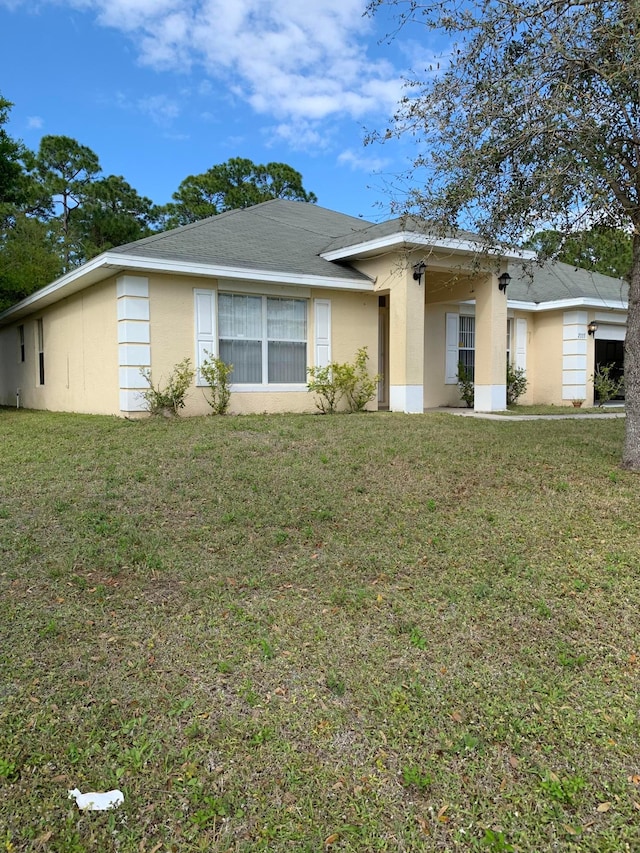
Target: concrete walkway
[(492, 416)]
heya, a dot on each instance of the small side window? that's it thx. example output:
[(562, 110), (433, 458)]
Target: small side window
[(21, 342), (40, 353)]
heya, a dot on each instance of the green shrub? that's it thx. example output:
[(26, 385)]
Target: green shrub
[(168, 400), (359, 387), (606, 386), (323, 382), (350, 381), (215, 373), (466, 385), (516, 383)]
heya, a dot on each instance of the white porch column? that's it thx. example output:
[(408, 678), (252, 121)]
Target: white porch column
[(490, 347), (406, 345)]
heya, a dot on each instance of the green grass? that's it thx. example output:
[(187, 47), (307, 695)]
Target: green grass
[(609, 409), (307, 633)]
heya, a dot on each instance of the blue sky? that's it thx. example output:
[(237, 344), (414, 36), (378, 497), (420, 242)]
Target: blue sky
[(161, 89)]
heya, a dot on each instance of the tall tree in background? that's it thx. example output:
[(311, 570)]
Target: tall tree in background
[(65, 168), (605, 250), (237, 183), (28, 258), (533, 123), (11, 169), (111, 213)]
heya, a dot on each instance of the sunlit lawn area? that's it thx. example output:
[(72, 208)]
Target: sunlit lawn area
[(306, 633)]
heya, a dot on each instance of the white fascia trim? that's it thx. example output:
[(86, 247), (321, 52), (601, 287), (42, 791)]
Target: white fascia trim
[(104, 265), (209, 271), (94, 265), (578, 302), (410, 238)]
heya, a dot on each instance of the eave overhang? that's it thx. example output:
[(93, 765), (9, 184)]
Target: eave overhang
[(566, 304), (113, 263), (412, 240)]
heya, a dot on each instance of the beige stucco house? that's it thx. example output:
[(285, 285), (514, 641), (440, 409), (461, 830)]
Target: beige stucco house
[(279, 287)]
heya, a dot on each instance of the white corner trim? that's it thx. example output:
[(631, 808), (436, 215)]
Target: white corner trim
[(132, 285), (131, 401), (406, 398), (134, 339), (490, 398)]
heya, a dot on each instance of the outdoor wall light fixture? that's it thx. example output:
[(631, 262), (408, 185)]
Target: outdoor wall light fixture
[(418, 270), (592, 328), (503, 281)]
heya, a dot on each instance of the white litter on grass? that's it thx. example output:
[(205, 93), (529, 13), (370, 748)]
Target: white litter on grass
[(97, 802)]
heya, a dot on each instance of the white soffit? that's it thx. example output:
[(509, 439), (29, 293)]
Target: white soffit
[(410, 238), (578, 302), (107, 264)]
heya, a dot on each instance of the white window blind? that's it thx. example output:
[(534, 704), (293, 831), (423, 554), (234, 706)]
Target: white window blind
[(264, 338)]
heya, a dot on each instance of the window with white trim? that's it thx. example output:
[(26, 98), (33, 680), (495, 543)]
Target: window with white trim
[(264, 338), (509, 339), (467, 344)]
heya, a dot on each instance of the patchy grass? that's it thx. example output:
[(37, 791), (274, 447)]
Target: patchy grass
[(354, 633), (609, 409)]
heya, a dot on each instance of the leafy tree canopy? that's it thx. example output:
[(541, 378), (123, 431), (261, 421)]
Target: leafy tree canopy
[(65, 168), (532, 123), (28, 259), (12, 184), (605, 250), (112, 213), (235, 184)]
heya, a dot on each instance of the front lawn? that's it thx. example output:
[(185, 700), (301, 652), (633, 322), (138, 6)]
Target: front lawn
[(304, 633)]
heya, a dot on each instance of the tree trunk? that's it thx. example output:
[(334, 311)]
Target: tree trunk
[(631, 451)]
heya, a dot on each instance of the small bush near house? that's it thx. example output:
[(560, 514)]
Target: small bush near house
[(170, 398), (359, 387), (336, 381), (466, 385), (516, 384), (215, 373), (323, 382), (606, 386)]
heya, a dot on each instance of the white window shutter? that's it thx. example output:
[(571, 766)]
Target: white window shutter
[(205, 327), (452, 356), (322, 336), (521, 344)]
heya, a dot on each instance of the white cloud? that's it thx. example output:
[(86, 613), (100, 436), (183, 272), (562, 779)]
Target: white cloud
[(300, 135), (161, 109), (289, 59), (34, 122), (358, 161)]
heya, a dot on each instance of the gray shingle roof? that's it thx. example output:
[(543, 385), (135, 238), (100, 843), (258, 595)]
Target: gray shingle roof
[(276, 236), (562, 281), (408, 224), (289, 236)]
